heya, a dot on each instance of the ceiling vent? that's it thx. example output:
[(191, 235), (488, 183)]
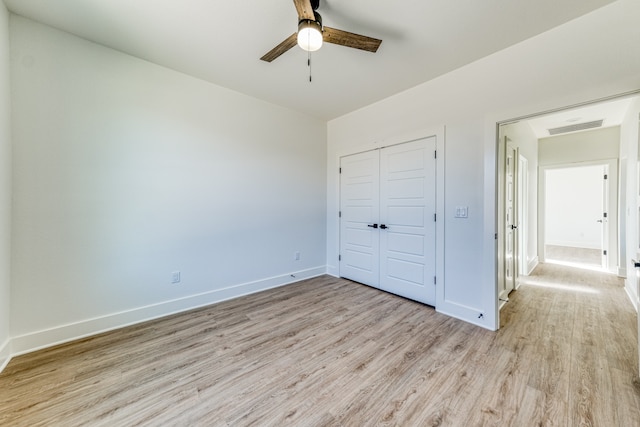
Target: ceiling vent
[(576, 127)]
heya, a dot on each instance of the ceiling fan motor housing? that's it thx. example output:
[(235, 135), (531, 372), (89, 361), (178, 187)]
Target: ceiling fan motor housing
[(318, 20)]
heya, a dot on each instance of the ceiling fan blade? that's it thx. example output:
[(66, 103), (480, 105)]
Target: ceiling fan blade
[(345, 38), (287, 44), (305, 11)]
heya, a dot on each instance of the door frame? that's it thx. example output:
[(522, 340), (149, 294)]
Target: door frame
[(523, 216), (440, 133), (612, 244)]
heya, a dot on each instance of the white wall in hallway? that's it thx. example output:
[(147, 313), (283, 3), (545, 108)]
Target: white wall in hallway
[(577, 147)]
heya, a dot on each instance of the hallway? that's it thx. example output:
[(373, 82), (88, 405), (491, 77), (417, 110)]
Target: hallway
[(578, 331)]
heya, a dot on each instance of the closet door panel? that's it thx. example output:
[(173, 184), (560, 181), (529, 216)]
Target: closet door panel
[(407, 208), (359, 211)]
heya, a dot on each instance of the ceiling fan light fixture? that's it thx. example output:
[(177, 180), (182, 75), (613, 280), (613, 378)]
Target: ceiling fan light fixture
[(309, 35)]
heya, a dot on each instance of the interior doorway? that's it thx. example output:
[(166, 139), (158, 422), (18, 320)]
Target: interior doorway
[(619, 221), (584, 136), (576, 215)]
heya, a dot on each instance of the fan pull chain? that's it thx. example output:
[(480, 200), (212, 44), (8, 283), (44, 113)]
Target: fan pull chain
[(309, 65)]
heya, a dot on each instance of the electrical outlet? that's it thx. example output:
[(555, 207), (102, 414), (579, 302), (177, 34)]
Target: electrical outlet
[(296, 256), (175, 277)]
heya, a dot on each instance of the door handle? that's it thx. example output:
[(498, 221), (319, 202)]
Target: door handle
[(372, 225), (599, 220), (384, 227), (513, 227)]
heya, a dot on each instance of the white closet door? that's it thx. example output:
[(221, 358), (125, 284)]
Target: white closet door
[(407, 222), (359, 207), (387, 227)]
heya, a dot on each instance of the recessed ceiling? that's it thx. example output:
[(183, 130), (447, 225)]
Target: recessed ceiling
[(222, 41)]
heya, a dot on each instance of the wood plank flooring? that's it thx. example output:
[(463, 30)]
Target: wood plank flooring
[(592, 257), (329, 352)]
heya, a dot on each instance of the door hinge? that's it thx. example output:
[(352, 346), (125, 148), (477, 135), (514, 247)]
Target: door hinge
[(606, 177), (435, 218), (604, 252), (435, 154), (434, 280), (339, 257), (339, 170), (604, 214), (496, 236), (339, 214)]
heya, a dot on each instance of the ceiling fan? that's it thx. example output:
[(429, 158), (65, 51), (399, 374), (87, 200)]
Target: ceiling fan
[(311, 33)]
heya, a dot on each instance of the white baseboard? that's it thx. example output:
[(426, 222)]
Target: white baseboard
[(47, 338), (532, 265), (333, 270), (467, 319), (5, 354), (573, 244), (632, 296)]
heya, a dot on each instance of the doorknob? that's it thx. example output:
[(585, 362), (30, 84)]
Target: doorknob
[(599, 220), (372, 226), (513, 227), (384, 227)]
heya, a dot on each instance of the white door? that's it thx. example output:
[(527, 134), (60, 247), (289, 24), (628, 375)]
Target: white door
[(387, 228), (359, 213), (510, 222), (407, 222)]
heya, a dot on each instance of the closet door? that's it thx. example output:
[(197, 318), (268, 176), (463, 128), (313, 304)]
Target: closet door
[(359, 213), (407, 221), (387, 228)]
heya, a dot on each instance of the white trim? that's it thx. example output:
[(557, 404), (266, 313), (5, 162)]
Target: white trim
[(532, 264), (633, 298), (437, 131), (468, 316), (5, 354), (60, 334), (572, 244), (333, 270)]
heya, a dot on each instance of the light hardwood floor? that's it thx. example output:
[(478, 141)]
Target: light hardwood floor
[(329, 352), (592, 257)]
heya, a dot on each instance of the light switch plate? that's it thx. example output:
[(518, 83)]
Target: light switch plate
[(175, 277), (462, 212)]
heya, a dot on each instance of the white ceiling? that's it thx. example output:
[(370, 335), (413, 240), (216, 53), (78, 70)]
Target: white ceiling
[(612, 112), (222, 41)]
